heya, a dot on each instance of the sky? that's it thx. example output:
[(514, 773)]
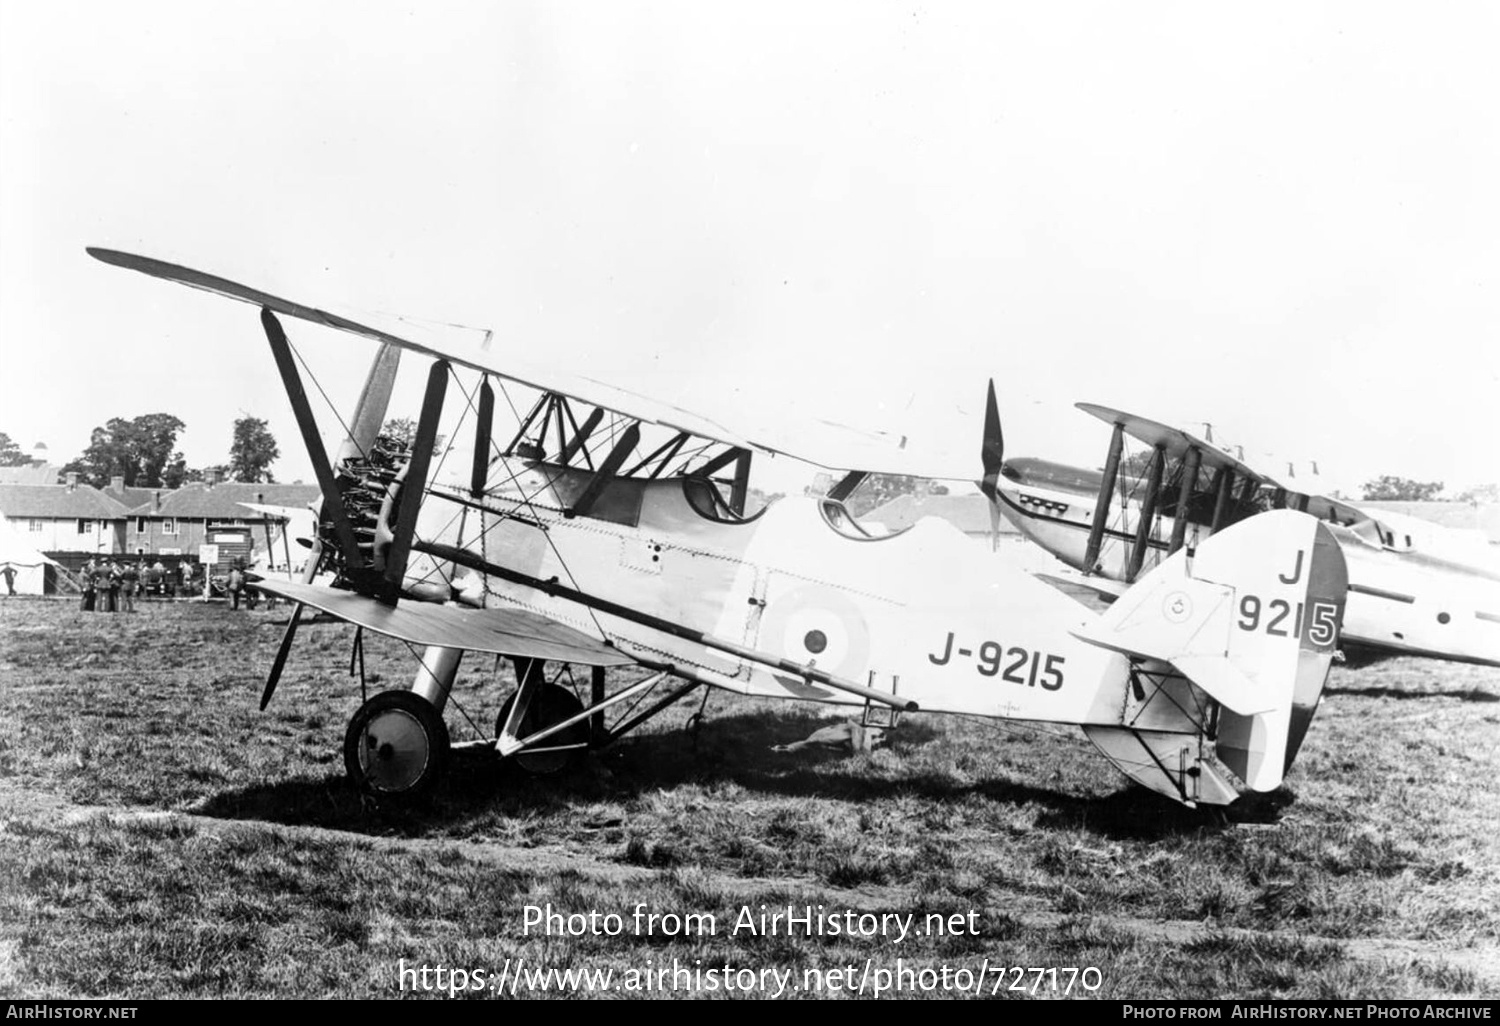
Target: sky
[(1281, 219)]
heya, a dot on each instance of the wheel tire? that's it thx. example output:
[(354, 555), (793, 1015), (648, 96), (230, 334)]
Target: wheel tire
[(396, 745), (552, 704)]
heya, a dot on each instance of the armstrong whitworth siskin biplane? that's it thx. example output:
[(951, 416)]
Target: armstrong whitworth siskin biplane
[(608, 530), (1413, 587)]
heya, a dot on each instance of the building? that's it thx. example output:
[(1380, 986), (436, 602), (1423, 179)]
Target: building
[(68, 518), (178, 521)]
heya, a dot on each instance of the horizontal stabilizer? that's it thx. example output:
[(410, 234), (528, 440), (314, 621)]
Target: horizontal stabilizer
[(511, 632), (1106, 589), (1177, 619)]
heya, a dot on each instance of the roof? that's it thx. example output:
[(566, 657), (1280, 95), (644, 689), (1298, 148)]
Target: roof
[(129, 497), (33, 473), (969, 513), (58, 502), (224, 501)]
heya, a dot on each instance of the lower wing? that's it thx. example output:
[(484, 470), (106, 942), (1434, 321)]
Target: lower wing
[(512, 632)]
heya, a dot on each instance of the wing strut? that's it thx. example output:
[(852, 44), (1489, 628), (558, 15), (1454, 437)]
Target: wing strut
[(482, 430), (1223, 489), (327, 482), (622, 450), (846, 485), (281, 653), (1101, 505), (740, 490), (413, 490), (580, 436), (1190, 464), (1147, 515)]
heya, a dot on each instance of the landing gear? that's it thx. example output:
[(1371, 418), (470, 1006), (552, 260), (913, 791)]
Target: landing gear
[(550, 703), (396, 745)]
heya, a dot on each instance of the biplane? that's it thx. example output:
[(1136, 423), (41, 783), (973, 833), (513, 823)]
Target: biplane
[(1411, 588), (606, 530)]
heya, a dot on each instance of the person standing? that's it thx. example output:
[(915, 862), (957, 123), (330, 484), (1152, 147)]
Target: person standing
[(9, 573), (235, 584), (130, 583), (113, 579), (86, 603)]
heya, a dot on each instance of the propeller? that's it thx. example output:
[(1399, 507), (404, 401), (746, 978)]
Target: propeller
[(281, 654), (992, 455)]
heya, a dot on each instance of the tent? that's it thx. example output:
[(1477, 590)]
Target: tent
[(30, 565)]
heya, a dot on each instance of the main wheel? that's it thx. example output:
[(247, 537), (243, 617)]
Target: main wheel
[(396, 745), (553, 703)]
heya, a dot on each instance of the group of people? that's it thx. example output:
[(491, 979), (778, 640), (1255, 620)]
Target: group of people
[(111, 586)]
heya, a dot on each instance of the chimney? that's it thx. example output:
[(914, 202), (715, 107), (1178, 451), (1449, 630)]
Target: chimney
[(260, 497), (211, 477), (117, 483), (72, 480), (156, 498)]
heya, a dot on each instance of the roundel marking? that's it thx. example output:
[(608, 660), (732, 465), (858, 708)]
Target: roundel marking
[(817, 623), (1177, 607)]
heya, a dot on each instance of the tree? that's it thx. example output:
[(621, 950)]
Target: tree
[(253, 451), (177, 472), (401, 429), (11, 454), (1388, 486), (404, 431), (1137, 464), (1481, 495), (139, 450)]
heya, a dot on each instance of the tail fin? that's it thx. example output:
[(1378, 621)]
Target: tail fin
[(1250, 620)]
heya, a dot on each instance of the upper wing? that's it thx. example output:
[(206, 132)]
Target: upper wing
[(844, 449), (512, 632), (1175, 441)]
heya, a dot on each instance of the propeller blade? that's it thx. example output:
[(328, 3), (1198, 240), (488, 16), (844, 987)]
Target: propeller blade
[(992, 452), (281, 654)]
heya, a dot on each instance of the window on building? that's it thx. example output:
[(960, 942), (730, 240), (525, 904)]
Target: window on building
[(85, 526), (169, 526), (36, 526), (140, 525)]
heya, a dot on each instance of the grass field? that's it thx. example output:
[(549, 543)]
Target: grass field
[(161, 837)]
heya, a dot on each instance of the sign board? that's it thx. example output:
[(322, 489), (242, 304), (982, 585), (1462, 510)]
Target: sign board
[(208, 554)]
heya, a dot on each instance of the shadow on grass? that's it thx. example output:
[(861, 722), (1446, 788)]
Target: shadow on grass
[(1357, 657), (1466, 695), (732, 750)]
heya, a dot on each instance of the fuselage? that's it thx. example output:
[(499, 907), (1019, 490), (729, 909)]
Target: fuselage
[(926, 613), (1399, 597)]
